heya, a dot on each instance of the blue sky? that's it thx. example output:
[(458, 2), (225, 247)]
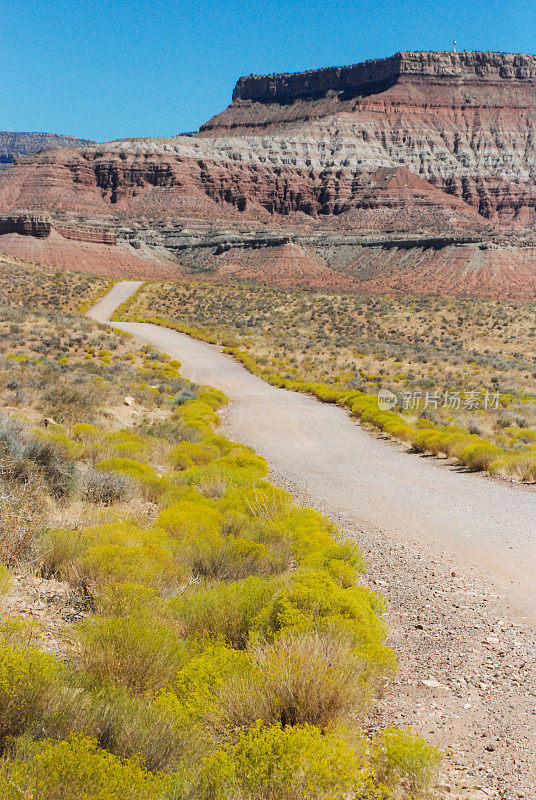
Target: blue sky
[(109, 69)]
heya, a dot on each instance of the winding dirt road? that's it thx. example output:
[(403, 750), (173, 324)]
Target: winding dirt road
[(453, 552)]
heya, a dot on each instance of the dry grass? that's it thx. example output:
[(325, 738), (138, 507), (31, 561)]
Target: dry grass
[(36, 286), (426, 346)]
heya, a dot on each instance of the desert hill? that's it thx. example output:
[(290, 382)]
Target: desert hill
[(386, 175), (14, 144)]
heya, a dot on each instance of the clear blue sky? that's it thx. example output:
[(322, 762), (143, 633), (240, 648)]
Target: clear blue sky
[(104, 70)]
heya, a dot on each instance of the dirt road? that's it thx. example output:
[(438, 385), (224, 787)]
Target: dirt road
[(453, 552)]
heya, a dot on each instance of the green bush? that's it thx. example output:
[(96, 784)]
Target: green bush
[(197, 414), (152, 486), (404, 762), (123, 599), (225, 610), (126, 444), (518, 464), (57, 469), (83, 432), (172, 430), (190, 517), (136, 652), (312, 600), (28, 681), (190, 454), (5, 579), (110, 563), (219, 557), (277, 763), (480, 454), (59, 551), (61, 441), (316, 677), (72, 770)]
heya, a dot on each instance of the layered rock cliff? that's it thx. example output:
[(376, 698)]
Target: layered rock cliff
[(376, 76), (415, 148)]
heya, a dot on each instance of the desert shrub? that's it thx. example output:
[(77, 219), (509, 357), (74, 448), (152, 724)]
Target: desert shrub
[(303, 676), (524, 435), (25, 456), (128, 467), (222, 473), (61, 441), (246, 464), (212, 397), (17, 631), (83, 432), (405, 763), (120, 599), (274, 763), (341, 571), (69, 404), (213, 485), (262, 501), (400, 430), (5, 579), (453, 443), (22, 519), (136, 652), (74, 769), (170, 429), (190, 517), (225, 610), (189, 454), (58, 471), (197, 414), (121, 721), (27, 683), (59, 550), (313, 538), (195, 697), (427, 440), (13, 437), (126, 444), (110, 563), (226, 557), (518, 464), (327, 394), (182, 397), (480, 454), (105, 487), (312, 600), (151, 485)]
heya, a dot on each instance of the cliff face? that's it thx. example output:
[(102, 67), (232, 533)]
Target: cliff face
[(375, 76), (428, 146), (465, 122)]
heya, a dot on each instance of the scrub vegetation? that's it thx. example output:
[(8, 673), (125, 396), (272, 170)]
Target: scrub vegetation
[(222, 646), (462, 372), (23, 283)]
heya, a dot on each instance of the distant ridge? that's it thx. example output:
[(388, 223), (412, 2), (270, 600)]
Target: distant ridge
[(13, 144)]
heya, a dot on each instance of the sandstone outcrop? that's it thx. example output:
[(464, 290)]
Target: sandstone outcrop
[(375, 76), (414, 160)]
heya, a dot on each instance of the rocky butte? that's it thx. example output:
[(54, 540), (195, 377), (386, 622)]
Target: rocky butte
[(414, 173)]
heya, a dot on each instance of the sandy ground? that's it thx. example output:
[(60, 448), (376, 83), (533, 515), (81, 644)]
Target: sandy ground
[(453, 553)]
